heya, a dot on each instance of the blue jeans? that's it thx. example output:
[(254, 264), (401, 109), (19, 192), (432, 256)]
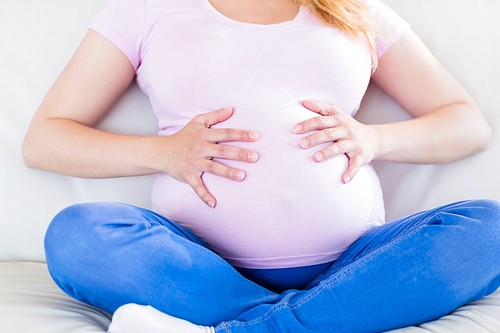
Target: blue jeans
[(406, 272)]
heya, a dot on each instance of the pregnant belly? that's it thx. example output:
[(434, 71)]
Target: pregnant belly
[(289, 211)]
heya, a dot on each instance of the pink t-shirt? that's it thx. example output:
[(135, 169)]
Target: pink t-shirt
[(290, 211)]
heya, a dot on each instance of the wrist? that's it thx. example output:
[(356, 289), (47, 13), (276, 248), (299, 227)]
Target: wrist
[(155, 154), (377, 142)]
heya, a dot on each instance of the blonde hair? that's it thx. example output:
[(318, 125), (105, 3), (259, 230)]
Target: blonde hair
[(351, 17)]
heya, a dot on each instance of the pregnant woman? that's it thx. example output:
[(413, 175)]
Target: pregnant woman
[(267, 215)]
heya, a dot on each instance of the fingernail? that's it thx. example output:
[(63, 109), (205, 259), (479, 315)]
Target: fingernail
[(319, 156), (253, 135), (297, 128), (304, 143), (252, 157), (347, 179), (211, 204), (239, 175)]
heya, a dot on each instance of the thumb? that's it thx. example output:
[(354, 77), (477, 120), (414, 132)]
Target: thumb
[(353, 168)]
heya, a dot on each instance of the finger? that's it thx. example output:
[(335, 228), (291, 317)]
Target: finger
[(230, 135), (221, 170), (315, 123), (199, 188), (322, 108), (312, 106), (355, 164), (338, 148), (327, 135), (214, 117), (232, 153)]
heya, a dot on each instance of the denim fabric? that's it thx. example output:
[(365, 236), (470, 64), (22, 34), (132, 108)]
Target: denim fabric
[(281, 279), (405, 272)]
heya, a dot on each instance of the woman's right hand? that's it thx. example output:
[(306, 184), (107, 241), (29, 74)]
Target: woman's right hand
[(190, 152)]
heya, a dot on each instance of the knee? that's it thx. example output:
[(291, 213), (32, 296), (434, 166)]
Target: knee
[(61, 225), (76, 225), (67, 225), (483, 210), (65, 235), (482, 216), (82, 231), (488, 212)]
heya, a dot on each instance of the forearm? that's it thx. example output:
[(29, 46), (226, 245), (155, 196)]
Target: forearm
[(66, 147), (444, 135)]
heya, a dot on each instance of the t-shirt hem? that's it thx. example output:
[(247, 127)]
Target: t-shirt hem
[(283, 262)]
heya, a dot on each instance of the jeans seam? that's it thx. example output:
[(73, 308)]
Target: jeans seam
[(302, 301), (225, 327), (349, 261)]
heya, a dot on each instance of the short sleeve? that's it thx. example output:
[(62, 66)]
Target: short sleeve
[(388, 24), (122, 22)]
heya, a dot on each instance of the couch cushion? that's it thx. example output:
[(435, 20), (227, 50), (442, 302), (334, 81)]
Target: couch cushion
[(30, 302)]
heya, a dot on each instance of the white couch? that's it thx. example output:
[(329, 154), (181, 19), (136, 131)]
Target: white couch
[(37, 38)]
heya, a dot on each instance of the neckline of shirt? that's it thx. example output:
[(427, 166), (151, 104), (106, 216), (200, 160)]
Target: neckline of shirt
[(215, 14)]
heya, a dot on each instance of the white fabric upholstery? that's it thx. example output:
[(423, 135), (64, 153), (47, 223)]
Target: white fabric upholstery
[(37, 38), (30, 301)]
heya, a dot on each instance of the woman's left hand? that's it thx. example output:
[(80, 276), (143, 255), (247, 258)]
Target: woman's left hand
[(358, 141)]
